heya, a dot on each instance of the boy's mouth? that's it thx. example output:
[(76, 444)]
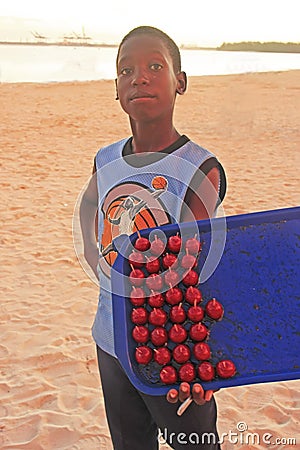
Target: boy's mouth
[(141, 96)]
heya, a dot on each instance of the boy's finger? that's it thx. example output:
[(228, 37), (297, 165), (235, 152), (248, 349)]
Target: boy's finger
[(184, 391), (198, 394), (208, 395), (172, 396)]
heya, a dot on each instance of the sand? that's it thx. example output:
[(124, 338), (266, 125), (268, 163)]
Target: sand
[(50, 391)]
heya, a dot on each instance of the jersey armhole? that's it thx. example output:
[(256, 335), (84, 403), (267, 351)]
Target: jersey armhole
[(203, 170)]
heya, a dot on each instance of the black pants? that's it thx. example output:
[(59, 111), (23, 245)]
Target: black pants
[(134, 418)]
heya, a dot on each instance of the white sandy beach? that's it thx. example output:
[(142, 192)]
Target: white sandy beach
[(50, 391)]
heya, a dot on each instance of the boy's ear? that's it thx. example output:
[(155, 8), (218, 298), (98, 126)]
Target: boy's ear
[(116, 86), (181, 83)]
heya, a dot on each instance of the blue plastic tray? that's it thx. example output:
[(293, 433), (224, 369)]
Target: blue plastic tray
[(257, 281)]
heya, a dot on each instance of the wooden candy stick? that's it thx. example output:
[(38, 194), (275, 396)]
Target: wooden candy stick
[(184, 406)]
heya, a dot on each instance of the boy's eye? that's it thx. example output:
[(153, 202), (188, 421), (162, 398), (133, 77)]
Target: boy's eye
[(156, 67), (125, 71)]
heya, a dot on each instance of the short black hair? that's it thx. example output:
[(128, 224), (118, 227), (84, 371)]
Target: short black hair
[(155, 32)]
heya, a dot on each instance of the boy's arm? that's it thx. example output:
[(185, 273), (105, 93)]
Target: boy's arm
[(201, 199), (88, 214)]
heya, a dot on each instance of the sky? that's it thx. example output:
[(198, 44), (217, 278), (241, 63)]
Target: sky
[(200, 22)]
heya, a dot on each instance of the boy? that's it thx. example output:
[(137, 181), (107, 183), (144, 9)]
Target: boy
[(149, 77)]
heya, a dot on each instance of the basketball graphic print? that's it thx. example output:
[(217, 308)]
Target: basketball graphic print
[(159, 182), (130, 207)]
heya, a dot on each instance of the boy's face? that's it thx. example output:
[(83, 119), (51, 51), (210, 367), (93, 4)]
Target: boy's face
[(147, 83)]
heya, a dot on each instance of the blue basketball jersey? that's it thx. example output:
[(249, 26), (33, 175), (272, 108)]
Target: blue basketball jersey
[(134, 196)]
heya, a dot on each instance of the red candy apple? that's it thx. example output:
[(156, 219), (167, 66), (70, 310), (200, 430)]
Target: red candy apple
[(190, 278), (188, 261), (156, 299), (162, 355), (143, 354), (171, 277), (170, 260), (181, 353), (136, 277), (177, 333), (201, 351), (154, 282), (139, 316), (136, 259), (198, 332), (195, 313), (193, 294), (174, 296), (225, 368), (140, 334), (157, 246), (152, 264), (187, 372), (174, 243), (137, 296), (168, 375), (159, 336), (142, 244), (177, 314), (214, 309), (193, 246), (206, 371), (158, 317)]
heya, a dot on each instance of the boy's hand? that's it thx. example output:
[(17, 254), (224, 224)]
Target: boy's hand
[(198, 394)]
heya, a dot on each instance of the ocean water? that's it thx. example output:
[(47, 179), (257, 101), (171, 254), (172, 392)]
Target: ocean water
[(27, 63)]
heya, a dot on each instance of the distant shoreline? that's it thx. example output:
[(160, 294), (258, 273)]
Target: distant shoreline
[(87, 44), (268, 47), (58, 44)]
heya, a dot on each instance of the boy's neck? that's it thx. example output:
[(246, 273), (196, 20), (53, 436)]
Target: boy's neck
[(147, 138)]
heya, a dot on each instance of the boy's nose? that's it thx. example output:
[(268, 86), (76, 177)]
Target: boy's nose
[(140, 77)]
